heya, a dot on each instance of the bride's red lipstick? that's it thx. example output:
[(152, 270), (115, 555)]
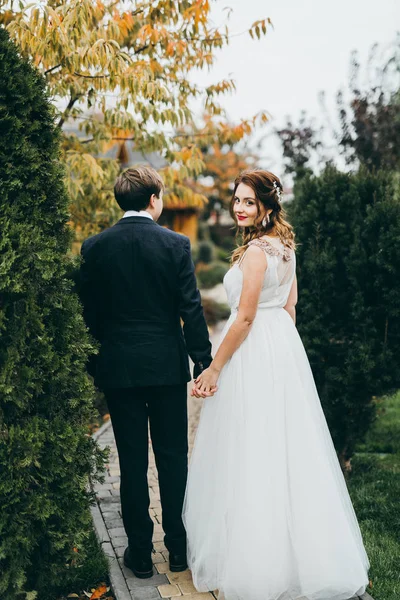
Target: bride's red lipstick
[(240, 218)]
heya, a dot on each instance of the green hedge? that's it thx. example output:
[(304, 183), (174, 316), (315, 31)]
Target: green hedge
[(46, 397), (348, 230), (210, 275), (215, 311)]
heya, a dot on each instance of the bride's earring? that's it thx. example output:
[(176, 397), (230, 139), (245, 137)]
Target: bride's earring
[(265, 220)]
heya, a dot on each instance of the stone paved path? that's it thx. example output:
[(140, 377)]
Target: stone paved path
[(109, 527)]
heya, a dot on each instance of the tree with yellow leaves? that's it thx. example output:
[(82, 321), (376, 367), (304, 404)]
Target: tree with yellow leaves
[(119, 70)]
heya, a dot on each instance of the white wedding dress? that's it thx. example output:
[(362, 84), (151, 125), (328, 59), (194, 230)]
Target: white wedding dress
[(267, 511)]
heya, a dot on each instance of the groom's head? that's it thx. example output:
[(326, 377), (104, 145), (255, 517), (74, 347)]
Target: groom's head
[(140, 188)]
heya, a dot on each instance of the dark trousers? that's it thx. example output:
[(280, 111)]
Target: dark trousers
[(131, 410)]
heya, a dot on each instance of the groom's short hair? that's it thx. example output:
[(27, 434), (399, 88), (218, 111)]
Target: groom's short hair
[(135, 186)]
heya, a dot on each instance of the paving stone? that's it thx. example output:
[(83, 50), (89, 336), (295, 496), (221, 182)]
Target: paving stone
[(162, 567), (109, 507), (103, 486), (158, 558), (136, 584), (183, 576), (119, 550), (158, 536), (103, 493), (107, 549), (109, 499), (117, 532), (169, 591), (113, 522), (187, 587), (108, 514), (99, 525), (149, 593), (119, 541), (159, 546)]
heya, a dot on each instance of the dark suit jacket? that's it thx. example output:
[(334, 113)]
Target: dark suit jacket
[(136, 282)]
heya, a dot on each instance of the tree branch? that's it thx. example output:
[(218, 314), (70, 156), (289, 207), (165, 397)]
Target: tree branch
[(52, 69), (67, 111), (91, 76), (173, 137), (143, 48)]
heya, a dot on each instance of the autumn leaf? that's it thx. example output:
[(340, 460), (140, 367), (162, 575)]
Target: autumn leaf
[(99, 592)]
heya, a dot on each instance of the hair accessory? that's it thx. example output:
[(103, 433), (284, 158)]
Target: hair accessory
[(278, 190)]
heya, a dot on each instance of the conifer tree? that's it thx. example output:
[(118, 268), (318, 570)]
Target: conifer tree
[(46, 454)]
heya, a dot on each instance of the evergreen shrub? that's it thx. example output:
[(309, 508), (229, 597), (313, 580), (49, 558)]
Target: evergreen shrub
[(46, 454), (214, 311), (205, 252), (211, 275), (348, 268)]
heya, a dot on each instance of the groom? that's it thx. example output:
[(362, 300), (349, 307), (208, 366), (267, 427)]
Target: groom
[(137, 283)]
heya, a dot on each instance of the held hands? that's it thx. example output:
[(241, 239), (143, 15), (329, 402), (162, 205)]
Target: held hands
[(205, 384)]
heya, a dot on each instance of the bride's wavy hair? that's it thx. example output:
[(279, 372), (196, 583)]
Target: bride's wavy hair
[(268, 189)]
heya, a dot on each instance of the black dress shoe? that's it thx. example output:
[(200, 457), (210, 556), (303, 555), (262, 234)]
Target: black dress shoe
[(141, 567), (177, 562)]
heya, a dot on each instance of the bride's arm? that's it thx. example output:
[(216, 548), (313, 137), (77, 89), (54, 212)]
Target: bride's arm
[(290, 306), (253, 267)]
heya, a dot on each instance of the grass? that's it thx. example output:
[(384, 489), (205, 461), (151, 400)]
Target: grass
[(374, 486)]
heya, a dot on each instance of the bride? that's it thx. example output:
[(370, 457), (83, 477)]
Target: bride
[(267, 512)]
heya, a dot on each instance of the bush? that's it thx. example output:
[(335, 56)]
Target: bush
[(203, 231), (215, 311), (210, 275), (222, 254), (223, 236), (205, 252), (348, 229), (46, 455)]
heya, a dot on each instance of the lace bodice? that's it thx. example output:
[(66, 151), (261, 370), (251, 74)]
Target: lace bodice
[(278, 278)]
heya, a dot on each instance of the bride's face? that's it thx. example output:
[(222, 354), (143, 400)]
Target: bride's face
[(245, 205)]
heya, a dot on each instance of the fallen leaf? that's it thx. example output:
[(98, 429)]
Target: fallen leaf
[(72, 596), (101, 590)]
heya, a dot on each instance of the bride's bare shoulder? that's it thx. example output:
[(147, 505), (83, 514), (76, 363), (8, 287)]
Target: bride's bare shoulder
[(253, 258)]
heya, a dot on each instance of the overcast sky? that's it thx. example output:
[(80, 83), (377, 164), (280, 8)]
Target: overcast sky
[(307, 52)]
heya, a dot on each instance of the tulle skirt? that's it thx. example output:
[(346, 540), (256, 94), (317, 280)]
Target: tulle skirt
[(267, 511)]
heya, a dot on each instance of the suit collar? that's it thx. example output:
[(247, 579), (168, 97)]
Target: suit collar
[(141, 220)]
